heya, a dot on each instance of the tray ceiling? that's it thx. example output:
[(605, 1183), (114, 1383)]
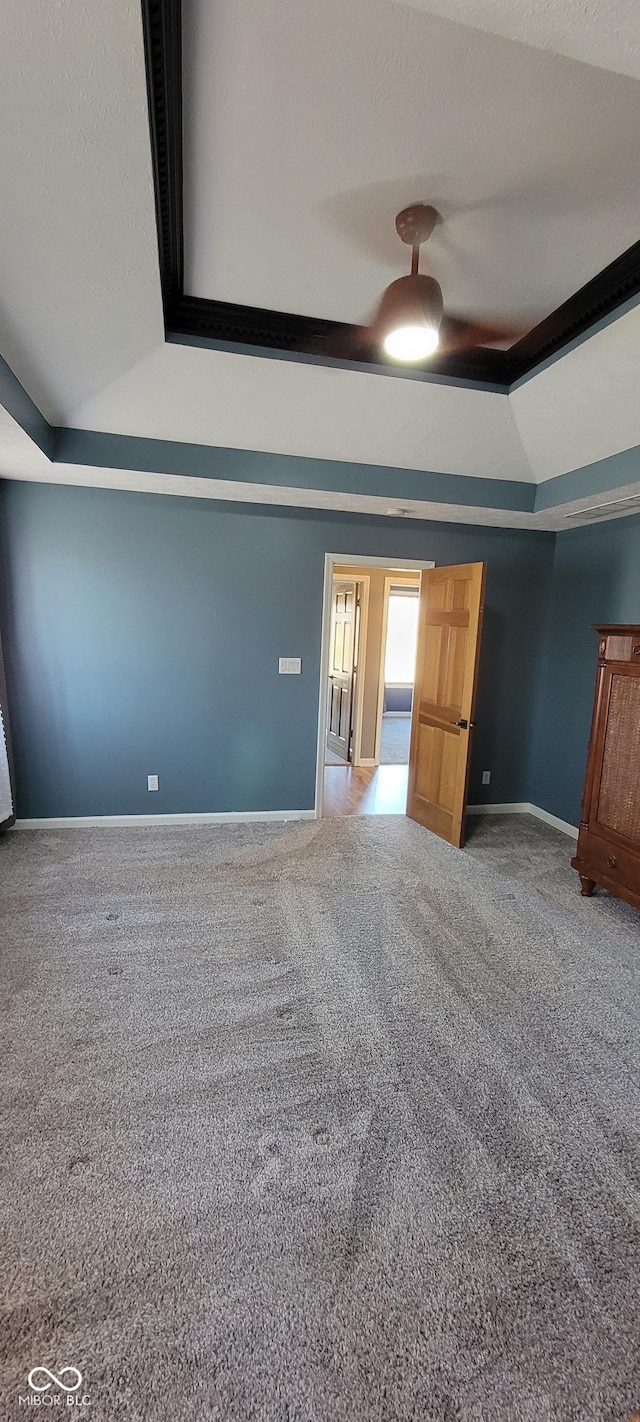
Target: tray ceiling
[(307, 127), (81, 319)]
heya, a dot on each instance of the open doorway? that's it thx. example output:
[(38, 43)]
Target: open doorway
[(433, 788), (370, 631), (400, 638)]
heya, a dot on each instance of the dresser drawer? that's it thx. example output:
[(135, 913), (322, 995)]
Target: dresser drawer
[(619, 865)]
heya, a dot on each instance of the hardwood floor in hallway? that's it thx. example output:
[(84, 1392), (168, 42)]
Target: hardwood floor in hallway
[(365, 790)]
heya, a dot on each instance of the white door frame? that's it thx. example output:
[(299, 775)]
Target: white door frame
[(364, 585), (331, 562)]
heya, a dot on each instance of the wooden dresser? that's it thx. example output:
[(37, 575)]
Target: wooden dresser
[(608, 851)]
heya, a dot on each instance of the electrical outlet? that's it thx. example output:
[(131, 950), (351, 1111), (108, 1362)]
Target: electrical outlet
[(486, 777), (289, 666), (152, 782)]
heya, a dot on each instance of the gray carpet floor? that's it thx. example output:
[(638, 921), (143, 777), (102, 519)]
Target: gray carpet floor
[(319, 1122), (394, 740)]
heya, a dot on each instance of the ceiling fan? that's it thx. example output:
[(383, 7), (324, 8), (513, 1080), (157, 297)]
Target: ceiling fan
[(410, 323)]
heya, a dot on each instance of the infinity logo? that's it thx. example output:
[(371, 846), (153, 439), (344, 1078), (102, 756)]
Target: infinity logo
[(42, 1387)]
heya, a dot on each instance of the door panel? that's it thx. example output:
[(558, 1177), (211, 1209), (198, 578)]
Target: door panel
[(451, 603), (341, 668)]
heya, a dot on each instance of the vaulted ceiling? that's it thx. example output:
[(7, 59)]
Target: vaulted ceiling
[(306, 128)]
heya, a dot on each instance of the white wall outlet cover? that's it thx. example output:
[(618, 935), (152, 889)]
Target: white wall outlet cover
[(289, 666), (152, 782), (486, 777)]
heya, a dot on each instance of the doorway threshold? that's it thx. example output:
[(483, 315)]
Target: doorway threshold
[(365, 790)]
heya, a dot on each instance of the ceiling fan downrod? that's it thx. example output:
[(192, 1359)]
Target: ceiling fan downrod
[(413, 226)]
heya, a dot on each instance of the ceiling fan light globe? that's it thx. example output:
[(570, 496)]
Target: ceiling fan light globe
[(411, 343)]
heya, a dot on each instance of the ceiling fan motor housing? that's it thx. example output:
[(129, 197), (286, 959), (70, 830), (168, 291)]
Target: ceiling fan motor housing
[(416, 223), (414, 300)]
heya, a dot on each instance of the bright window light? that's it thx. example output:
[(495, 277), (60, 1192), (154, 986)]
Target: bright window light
[(402, 635)]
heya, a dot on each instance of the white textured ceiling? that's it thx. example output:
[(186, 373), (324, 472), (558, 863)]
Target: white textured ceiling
[(308, 126), (79, 283), (210, 397), (80, 308), (585, 406), (601, 32)]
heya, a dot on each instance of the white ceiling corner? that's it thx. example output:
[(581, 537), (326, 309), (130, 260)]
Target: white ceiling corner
[(605, 33)]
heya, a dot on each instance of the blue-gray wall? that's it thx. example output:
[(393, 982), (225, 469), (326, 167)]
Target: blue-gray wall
[(398, 699), (143, 635), (596, 578)]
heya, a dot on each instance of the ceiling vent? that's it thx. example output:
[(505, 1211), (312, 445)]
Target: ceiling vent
[(630, 504)]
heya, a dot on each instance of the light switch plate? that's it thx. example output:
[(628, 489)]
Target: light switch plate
[(289, 666)]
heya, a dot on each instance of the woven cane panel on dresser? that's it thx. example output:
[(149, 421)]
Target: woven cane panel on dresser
[(619, 797)]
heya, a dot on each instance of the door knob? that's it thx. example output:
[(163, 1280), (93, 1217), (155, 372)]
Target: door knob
[(462, 723)]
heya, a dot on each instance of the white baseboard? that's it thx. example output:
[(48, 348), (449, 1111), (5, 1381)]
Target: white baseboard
[(553, 820), (405, 715), (512, 807), (231, 817), (523, 807), (364, 760)]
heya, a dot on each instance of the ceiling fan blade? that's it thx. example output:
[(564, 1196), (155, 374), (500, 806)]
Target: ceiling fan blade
[(457, 333), (363, 218), (343, 342), (460, 334)]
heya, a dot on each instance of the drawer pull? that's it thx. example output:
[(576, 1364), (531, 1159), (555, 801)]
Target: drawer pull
[(612, 861)]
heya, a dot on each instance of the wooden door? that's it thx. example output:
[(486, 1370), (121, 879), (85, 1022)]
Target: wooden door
[(451, 602), (341, 668)]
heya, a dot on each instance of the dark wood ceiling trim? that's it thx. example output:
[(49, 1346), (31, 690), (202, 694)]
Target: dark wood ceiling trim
[(162, 27), (595, 300), (309, 337)]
